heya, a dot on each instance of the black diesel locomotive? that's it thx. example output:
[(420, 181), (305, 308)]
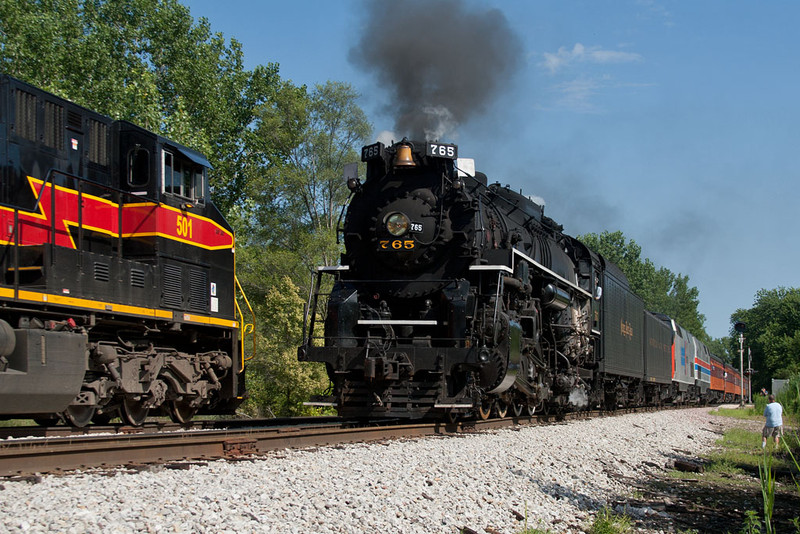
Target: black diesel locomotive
[(118, 289), (456, 297)]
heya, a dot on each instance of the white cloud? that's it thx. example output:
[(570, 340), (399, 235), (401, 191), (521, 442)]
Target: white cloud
[(580, 53), (613, 56), (581, 95), (576, 95), (553, 62), (653, 9)]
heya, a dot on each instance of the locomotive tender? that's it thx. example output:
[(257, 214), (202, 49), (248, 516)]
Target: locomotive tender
[(457, 297), (118, 289)]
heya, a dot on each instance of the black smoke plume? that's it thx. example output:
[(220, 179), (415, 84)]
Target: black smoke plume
[(440, 62)]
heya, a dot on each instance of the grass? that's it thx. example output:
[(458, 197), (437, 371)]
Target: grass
[(739, 467), (605, 522), (609, 522), (739, 455), (748, 412), (16, 422), (763, 484), (741, 450)]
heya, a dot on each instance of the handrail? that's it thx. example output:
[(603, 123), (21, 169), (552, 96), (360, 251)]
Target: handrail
[(246, 328)]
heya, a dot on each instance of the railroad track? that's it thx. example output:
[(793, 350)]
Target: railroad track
[(155, 443)]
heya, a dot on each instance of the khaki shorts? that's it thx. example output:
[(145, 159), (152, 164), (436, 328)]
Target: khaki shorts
[(774, 431)]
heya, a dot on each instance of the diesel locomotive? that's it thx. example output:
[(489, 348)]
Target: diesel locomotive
[(456, 297), (117, 289)]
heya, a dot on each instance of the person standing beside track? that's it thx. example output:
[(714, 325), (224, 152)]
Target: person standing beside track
[(774, 424)]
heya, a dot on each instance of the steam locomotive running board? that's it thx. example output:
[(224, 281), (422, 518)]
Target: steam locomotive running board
[(535, 263)]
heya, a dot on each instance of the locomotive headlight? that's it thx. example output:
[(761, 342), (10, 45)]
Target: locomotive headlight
[(397, 224)]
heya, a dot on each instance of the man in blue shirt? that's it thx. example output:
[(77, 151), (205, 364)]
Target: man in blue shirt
[(774, 425)]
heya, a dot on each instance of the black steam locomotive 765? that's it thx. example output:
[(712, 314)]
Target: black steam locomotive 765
[(117, 283), (458, 297)]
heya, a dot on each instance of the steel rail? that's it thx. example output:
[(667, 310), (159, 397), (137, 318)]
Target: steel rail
[(45, 455), (27, 456)]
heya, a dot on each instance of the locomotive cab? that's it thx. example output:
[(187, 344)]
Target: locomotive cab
[(154, 167)]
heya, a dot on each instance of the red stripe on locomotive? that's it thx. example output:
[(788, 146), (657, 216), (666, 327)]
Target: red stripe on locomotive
[(100, 215)]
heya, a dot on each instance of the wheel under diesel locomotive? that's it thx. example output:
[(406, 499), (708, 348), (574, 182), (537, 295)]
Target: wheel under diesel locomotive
[(453, 296), (118, 287)]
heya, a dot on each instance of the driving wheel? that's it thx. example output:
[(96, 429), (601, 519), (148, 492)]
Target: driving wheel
[(133, 412), (485, 409), (181, 412), (79, 415), (502, 409)]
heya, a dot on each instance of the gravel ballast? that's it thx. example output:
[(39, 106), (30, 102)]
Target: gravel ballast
[(556, 476)]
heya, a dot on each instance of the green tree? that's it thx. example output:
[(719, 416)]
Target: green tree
[(772, 333), (277, 150), (294, 207), (661, 289), (721, 347), (149, 62), (314, 188), (278, 383), (289, 222)]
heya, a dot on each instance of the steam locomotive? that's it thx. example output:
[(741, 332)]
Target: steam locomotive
[(117, 289), (456, 297)]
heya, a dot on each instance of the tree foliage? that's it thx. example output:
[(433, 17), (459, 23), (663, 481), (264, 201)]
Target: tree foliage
[(278, 383), (661, 289), (289, 223), (149, 62), (772, 333), (277, 150), (295, 206)]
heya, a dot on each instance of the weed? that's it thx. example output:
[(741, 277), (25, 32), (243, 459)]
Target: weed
[(608, 522), (723, 465), (795, 461), (767, 476), (636, 494), (739, 446), (752, 524), (532, 530)]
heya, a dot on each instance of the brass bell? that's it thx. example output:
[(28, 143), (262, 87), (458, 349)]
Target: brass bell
[(403, 157)]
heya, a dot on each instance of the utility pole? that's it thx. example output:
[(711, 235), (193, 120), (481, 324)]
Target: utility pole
[(739, 327), (750, 375)]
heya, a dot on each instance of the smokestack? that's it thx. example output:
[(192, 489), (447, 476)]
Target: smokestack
[(440, 63)]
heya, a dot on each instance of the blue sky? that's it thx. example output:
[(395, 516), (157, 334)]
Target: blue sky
[(676, 122)]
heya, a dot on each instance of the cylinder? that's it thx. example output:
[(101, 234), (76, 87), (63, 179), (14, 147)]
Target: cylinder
[(554, 297)]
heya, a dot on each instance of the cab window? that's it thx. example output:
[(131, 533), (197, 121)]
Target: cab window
[(138, 167), (183, 177)]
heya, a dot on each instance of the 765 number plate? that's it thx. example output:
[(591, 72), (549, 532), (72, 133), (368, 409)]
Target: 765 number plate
[(442, 150)]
